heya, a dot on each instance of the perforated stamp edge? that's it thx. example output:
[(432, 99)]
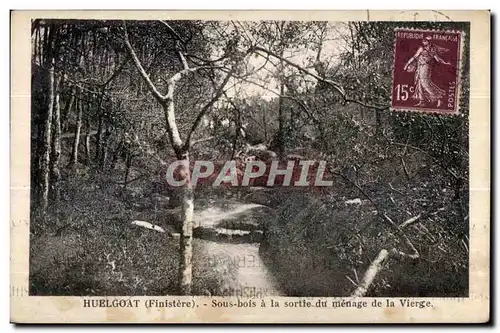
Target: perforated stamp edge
[(458, 95)]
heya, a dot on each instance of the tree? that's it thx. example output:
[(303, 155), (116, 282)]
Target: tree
[(55, 172), (76, 141), (45, 157), (47, 58), (181, 147)]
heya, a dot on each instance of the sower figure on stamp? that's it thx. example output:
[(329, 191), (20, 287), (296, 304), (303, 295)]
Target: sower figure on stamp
[(426, 91)]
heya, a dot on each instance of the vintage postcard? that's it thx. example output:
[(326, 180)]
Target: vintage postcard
[(250, 167)]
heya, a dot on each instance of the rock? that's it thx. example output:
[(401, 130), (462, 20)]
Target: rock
[(222, 235), (148, 225), (356, 201)]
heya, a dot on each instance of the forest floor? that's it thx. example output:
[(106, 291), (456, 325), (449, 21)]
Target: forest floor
[(91, 247)]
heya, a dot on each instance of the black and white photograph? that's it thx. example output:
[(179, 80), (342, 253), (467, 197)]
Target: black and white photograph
[(247, 158)]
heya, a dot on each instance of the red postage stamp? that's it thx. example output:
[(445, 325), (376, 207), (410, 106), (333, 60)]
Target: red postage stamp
[(426, 75)]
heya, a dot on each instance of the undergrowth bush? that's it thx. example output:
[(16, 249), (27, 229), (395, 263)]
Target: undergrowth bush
[(87, 246)]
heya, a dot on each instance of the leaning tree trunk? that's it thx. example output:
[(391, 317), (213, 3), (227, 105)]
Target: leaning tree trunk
[(45, 156), (74, 153), (56, 150)]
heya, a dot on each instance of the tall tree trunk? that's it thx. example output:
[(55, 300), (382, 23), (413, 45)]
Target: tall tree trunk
[(67, 110), (56, 149), (103, 155), (87, 141), (99, 135), (99, 139), (182, 152), (74, 153), (37, 167), (187, 211), (281, 118), (45, 157), (238, 128), (186, 239), (38, 112), (117, 152)]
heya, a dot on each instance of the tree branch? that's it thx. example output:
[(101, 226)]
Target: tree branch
[(376, 266), (402, 235), (207, 61), (409, 221), (331, 83), (179, 39), (183, 60), (177, 76), (116, 72), (173, 33), (435, 160), (295, 99), (371, 273), (303, 106), (207, 106), (141, 70), (379, 108), (202, 140), (335, 85)]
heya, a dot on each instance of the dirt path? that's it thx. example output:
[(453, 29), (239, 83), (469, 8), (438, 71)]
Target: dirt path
[(252, 276), (230, 232)]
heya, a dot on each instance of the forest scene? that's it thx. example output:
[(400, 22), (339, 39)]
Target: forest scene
[(114, 103)]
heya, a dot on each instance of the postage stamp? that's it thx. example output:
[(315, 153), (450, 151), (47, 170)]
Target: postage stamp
[(426, 74), (183, 167)]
